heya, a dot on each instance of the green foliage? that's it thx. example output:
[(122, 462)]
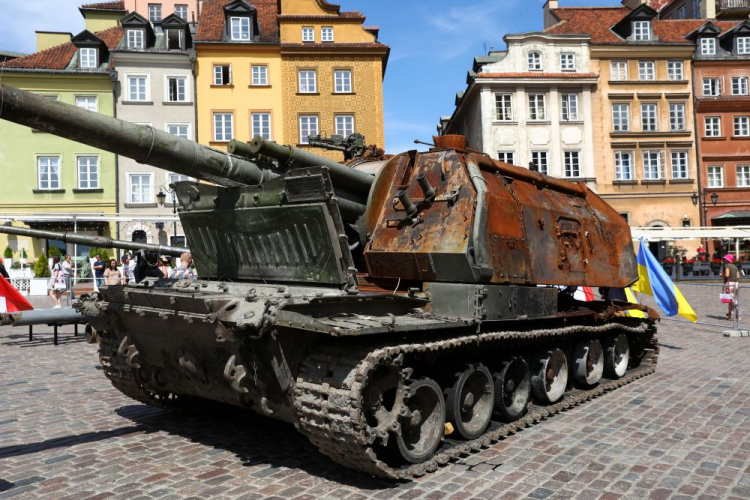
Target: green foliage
[(41, 268), (53, 250), (8, 253), (15, 265), (23, 253), (100, 251)]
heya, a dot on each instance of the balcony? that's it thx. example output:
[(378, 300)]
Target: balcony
[(732, 9)]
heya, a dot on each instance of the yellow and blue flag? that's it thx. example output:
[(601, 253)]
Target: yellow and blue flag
[(633, 313), (653, 280)]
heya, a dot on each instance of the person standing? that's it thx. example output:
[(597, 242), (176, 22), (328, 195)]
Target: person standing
[(112, 275), (3, 271), (732, 285), (67, 267), (99, 266), (184, 270), (165, 265), (128, 270), (57, 281)]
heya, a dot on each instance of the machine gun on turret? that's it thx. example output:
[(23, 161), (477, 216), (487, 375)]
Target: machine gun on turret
[(354, 146)]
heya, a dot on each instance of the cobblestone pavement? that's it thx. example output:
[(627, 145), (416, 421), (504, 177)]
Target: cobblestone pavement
[(65, 432)]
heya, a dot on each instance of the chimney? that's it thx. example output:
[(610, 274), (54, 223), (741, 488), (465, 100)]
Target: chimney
[(47, 39), (549, 19)]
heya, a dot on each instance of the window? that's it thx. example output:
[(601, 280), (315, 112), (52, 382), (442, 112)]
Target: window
[(240, 28), (641, 30), (182, 11), (648, 117), (172, 178), (88, 58), (179, 129), (679, 164), (49, 172), (223, 75), (536, 107), (618, 70), (138, 88), (88, 172), (141, 189), (651, 165), (569, 107), (713, 126), (135, 39), (87, 102), (308, 34), (711, 86), (223, 127), (504, 107), (676, 117), (261, 123), (716, 177), (675, 70), (567, 61), (308, 125), (696, 9), (535, 61), (572, 163), (708, 46), (344, 125), (259, 74), (646, 70), (626, 216), (742, 126), (154, 12), (682, 12), (623, 165), (175, 39), (308, 82), (176, 89), (342, 81), (540, 159), (620, 117), (326, 34), (743, 176), (739, 85), (743, 45), (506, 156)]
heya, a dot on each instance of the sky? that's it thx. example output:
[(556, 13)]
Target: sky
[(433, 44)]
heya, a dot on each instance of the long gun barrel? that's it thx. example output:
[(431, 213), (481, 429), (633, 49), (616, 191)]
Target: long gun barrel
[(347, 178), (92, 241), (143, 144)]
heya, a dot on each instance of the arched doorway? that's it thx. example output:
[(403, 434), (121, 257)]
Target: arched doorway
[(139, 236)]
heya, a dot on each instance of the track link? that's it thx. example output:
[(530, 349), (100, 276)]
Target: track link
[(328, 395)]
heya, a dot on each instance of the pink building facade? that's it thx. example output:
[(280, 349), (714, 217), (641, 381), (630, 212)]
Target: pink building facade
[(156, 10)]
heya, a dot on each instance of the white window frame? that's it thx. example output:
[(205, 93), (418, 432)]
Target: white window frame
[(219, 76), (675, 70), (239, 29), (186, 89), (618, 71), (259, 78), (743, 175), (624, 172), (646, 71), (304, 88), (541, 159), (503, 107), (342, 128), (508, 156), (712, 126), (151, 12), (677, 120), (641, 31), (136, 38), (147, 90), (172, 177), (567, 61), (569, 165), (708, 46), (92, 185), (50, 186), (680, 163), (87, 106), (308, 33), (712, 86), (223, 137), (534, 60), (743, 44), (715, 176), (187, 134), (650, 117), (620, 117), (131, 192), (739, 85), (344, 78), (258, 130), (310, 119), (534, 103), (569, 107), (742, 125), (326, 34), (648, 166), (87, 60), (179, 6)]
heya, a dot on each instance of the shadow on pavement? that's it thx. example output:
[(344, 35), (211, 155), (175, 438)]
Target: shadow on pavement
[(65, 441)]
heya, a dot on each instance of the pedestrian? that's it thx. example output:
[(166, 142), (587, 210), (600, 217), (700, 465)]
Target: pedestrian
[(99, 266), (165, 265), (112, 275), (3, 271), (56, 283), (184, 269), (128, 270), (67, 267), (732, 285)]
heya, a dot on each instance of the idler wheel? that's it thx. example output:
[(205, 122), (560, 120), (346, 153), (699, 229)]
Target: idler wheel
[(512, 389), (423, 425), (550, 377), (616, 355), (589, 365), (469, 402)]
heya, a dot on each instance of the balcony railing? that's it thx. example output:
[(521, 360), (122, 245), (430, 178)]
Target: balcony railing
[(732, 4)]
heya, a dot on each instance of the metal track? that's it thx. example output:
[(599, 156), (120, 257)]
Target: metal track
[(328, 395)]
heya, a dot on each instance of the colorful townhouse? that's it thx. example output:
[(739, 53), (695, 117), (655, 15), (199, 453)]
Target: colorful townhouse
[(532, 105)]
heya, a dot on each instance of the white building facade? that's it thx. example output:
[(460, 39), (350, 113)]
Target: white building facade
[(532, 104)]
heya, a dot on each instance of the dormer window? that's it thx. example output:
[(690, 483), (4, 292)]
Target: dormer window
[(241, 23), (88, 58), (175, 39), (154, 12), (743, 44), (135, 39), (567, 61), (641, 30), (708, 46), (240, 28), (535, 61)]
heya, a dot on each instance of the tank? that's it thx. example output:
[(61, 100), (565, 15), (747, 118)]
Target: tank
[(399, 317)]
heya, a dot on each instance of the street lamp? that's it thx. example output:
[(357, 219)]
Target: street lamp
[(161, 198), (703, 200)]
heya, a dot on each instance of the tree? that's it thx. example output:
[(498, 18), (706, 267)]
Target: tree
[(41, 268), (8, 253), (53, 250), (99, 251)]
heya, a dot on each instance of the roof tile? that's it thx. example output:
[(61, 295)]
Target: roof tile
[(104, 6), (211, 27)]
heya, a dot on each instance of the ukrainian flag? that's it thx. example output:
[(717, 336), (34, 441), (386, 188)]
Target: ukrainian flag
[(653, 280), (633, 313)]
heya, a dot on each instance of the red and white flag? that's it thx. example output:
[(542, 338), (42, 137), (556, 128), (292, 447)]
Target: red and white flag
[(11, 299), (584, 294)]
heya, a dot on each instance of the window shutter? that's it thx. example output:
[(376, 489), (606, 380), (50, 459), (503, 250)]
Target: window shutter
[(230, 76)]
